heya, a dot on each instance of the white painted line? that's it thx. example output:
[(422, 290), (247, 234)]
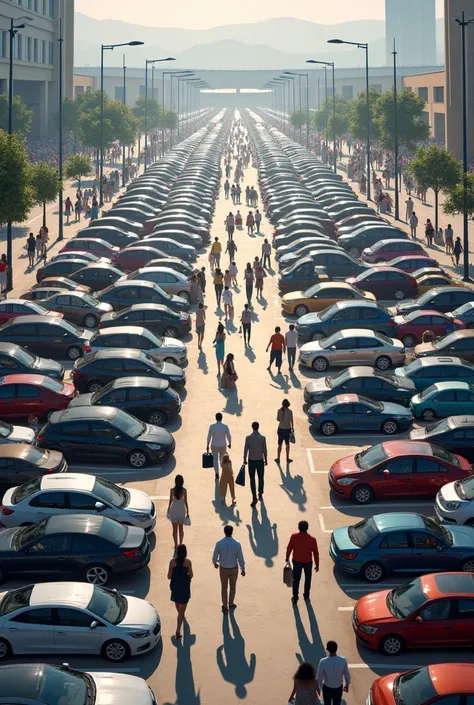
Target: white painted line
[(369, 588), (159, 496), (320, 450), (376, 506), (345, 609), (322, 526), (310, 460), (111, 669), (388, 666)]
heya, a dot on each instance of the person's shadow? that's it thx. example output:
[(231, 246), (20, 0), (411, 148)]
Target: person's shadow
[(226, 513), (293, 486), (249, 354), (264, 541), (311, 647), (231, 657), (202, 362), (184, 680)]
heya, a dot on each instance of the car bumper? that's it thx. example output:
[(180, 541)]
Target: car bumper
[(287, 308), (304, 335), (444, 515), (366, 639), (343, 491), (348, 567), (306, 361), (142, 646)]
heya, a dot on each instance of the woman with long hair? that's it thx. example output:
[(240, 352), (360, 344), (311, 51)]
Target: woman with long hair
[(229, 378), (285, 429), (180, 574), (178, 509), (304, 686), (227, 479), (249, 278), (219, 344)]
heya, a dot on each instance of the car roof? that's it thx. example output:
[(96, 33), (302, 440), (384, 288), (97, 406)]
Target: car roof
[(426, 312), (441, 359), (445, 289), (61, 594), (145, 307), (350, 332), (24, 302), (464, 420), (74, 524), (441, 386), (166, 270), (129, 282), (407, 447), (35, 318), (16, 450), (436, 585), (25, 681), (84, 413), (452, 677), (334, 285), (142, 382), (391, 241), (115, 352), (369, 303), (22, 379), (115, 330), (398, 520), (344, 399), (68, 481)]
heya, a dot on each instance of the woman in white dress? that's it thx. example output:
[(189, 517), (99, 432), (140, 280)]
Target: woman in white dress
[(178, 509)]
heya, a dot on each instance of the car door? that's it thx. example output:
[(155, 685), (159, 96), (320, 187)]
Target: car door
[(73, 633), (442, 302), (394, 478), (28, 398), (72, 439), (31, 631), (344, 351), (435, 626), (374, 319), (464, 621), (445, 404), (9, 409), (54, 340), (431, 554), (76, 310), (342, 318), (365, 418), (59, 301), (105, 441), (429, 477), (47, 504), (344, 417), (368, 350), (48, 555), (397, 281), (395, 552), (465, 401)]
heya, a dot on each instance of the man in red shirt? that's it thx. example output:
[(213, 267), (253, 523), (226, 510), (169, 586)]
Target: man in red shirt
[(278, 347), (304, 548)]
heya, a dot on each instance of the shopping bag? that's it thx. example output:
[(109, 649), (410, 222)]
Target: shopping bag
[(187, 521), (288, 575), (207, 460), (292, 437), (240, 479)]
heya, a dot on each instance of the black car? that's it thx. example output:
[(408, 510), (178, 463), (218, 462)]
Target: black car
[(97, 276), (159, 319), (338, 265), (368, 235), (22, 462), (125, 293), (99, 368), (456, 434), (150, 400), (365, 381), (89, 546), (114, 236), (104, 434), (16, 360), (46, 335), (440, 298)]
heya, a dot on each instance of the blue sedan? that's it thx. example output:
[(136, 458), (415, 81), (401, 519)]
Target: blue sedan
[(401, 543), (352, 412), (345, 314)]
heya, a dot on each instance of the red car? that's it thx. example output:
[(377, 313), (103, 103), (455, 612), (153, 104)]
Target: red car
[(33, 395), (412, 263), (442, 683), (396, 469), (12, 308), (387, 250), (134, 258), (434, 610), (98, 247), (410, 328), (386, 283)]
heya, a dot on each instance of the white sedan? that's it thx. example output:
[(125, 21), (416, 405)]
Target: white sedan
[(15, 434), (455, 502), (166, 349), (76, 618)]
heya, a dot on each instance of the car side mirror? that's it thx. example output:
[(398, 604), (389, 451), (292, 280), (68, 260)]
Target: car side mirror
[(118, 438), (333, 347), (94, 624), (418, 620), (368, 412), (386, 472), (100, 506)]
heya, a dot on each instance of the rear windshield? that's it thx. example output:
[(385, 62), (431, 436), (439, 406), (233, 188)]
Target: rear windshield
[(363, 533), (113, 531), (26, 490)]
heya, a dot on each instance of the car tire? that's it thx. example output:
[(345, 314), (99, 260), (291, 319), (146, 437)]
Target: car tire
[(316, 337), (467, 566), (301, 310), (97, 574), (320, 364), (90, 321), (372, 572), (428, 415), (115, 651), (74, 352), (94, 386), (185, 295), (137, 459), (170, 332), (328, 428), (354, 251), (363, 494), (158, 418), (409, 341), (5, 649), (383, 363), (171, 360), (389, 427), (392, 645), (399, 295)]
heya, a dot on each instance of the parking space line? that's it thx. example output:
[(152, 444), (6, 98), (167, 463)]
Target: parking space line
[(337, 507), (389, 666), (111, 669), (159, 496), (345, 609), (322, 525)]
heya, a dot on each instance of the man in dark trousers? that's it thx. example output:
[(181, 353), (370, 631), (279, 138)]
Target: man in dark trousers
[(255, 450), (333, 676), (304, 548)]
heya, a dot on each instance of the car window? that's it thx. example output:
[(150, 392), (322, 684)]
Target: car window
[(378, 277), (73, 618), (398, 539), (462, 395), (117, 365), (361, 409), (428, 465), (344, 314), (369, 343), (116, 395), (118, 340), (346, 344), (436, 610), (368, 314), (129, 292), (400, 466), (7, 391), (50, 544), (78, 500), (423, 540), (139, 341), (63, 300), (139, 394), (466, 609), (78, 428), (23, 329), (373, 383), (437, 320), (84, 544), (343, 409), (42, 615), (445, 396), (99, 430), (52, 500), (28, 391)]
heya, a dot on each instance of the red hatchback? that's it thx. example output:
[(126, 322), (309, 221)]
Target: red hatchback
[(386, 250), (386, 283), (12, 308), (98, 247), (441, 683), (33, 395), (396, 469), (436, 610), (410, 328), (134, 258)]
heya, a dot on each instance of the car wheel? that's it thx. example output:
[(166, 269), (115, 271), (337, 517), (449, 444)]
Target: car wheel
[(390, 427), (170, 332), (468, 566), (97, 575), (362, 494), (115, 650), (185, 295), (74, 353), (301, 310), (328, 428), (409, 341), (137, 459), (5, 649), (320, 364), (94, 386), (372, 572), (90, 321), (170, 359), (383, 362), (392, 645), (354, 251), (318, 336), (3, 575), (428, 415), (157, 418), (399, 295)]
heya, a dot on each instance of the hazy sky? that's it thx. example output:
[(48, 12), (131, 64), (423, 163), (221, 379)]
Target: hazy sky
[(210, 13)]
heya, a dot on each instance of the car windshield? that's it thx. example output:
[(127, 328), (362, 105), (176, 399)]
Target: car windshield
[(35, 455), (312, 291), (338, 379), (110, 493), (52, 384), (30, 533), (15, 600), (414, 688), (328, 342), (363, 533), (425, 298), (329, 312), (107, 604), (405, 599), (465, 308), (113, 531), (90, 300), (26, 490), (465, 488), (437, 426), (443, 454), (376, 405), (129, 424), (25, 357), (152, 362), (371, 457), (71, 328), (5, 429), (428, 392), (62, 685), (447, 340), (438, 530)]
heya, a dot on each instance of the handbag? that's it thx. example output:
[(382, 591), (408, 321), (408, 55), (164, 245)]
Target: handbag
[(240, 479), (187, 521), (292, 437), (288, 575), (207, 460)]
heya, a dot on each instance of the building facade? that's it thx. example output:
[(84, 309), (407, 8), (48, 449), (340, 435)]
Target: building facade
[(432, 88), (413, 24), (36, 56)]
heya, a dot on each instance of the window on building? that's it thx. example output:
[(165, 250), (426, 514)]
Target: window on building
[(119, 93), (423, 93), (3, 44), (51, 53), (52, 9), (35, 5), (43, 51), (377, 87), (35, 50), (348, 92), (19, 47), (29, 49), (142, 90), (438, 94), (440, 127), (425, 117)]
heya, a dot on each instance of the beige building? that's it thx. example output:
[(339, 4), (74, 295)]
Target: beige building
[(36, 55), (432, 88)]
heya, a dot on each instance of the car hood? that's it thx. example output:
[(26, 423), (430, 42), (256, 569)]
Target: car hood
[(313, 347), (172, 370), (405, 383), (463, 536), (345, 466), (138, 501), (104, 308), (308, 319), (21, 434), (342, 540), (140, 614), (174, 344), (120, 689), (6, 538), (424, 349), (374, 607), (155, 434), (406, 306), (392, 409), (317, 386), (81, 400), (292, 297), (48, 367)]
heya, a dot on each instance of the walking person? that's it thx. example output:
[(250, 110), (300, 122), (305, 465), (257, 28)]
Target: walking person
[(448, 239), (218, 285), (178, 509), (304, 548), (31, 247), (218, 440), (67, 209), (304, 686), (260, 275), (258, 220), (233, 271), (291, 337), (429, 232), (249, 278), (285, 429), (457, 249), (333, 676), (229, 376), (39, 247), (201, 277), (3, 274), (227, 298), (226, 187), (228, 557), (255, 450), (233, 193), (250, 223), (78, 209), (219, 343), (227, 479), (246, 321), (409, 208), (180, 574), (44, 241), (278, 346), (230, 225), (200, 323), (266, 252), (216, 249), (413, 224), (231, 249)]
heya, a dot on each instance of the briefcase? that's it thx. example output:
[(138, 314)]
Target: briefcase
[(207, 460), (288, 575)]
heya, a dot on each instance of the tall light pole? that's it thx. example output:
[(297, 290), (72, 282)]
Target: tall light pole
[(60, 129), (147, 62), (307, 102), (463, 23), (333, 67), (124, 98), (286, 112), (365, 46), (395, 129), (103, 48), (166, 73)]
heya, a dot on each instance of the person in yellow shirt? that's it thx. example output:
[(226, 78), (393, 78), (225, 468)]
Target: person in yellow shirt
[(216, 250), (218, 285)]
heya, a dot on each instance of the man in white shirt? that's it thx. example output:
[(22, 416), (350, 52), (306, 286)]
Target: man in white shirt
[(291, 336), (218, 439), (228, 557), (332, 671), (266, 252)]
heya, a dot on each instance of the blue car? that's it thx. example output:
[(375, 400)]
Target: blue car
[(353, 412), (428, 370), (403, 543), (345, 314)]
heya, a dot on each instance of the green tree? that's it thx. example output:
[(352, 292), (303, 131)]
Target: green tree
[(298, 119), (16, 193), (153, 113), (125, 125), (78, 166), (71, 111), (119, 122), (46, 185), (412, 129), (21, 115), (434, 167), (168, 119), (461, 197), (338, 122), (358, 116)]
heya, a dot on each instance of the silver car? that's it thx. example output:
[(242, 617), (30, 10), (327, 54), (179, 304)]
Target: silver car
[(170, 281), (353, 346), (15, 434), (76, 618), (139, 338)]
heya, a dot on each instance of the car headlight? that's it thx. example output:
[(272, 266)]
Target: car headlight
[(175, 379), (289, 303), (346, 481), (367, 629), (452, 505), (143, 634), (154, 446), (306, 354), (141, 517)]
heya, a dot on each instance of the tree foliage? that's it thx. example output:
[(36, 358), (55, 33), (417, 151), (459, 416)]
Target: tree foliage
[(411, 127), (119, 123), (45, 185), (436, 168), (70, 115), (338, 123), (298, 119), (78, 166), (21, 115), (16, 192), (153, 113), (358, 116), (168, 119), (461, 196)]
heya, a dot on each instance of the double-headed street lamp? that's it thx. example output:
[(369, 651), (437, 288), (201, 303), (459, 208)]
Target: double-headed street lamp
[(332, 65), (152, 62), (300, 75), (365, 46), (286, 112), (171, 74), (106, 47)]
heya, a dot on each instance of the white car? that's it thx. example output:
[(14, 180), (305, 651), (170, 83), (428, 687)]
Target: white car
[(126, 337), (455, 502), (76, 618), (76, 493), (15, 434)]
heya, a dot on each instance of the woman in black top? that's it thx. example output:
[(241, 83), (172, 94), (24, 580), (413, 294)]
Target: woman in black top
[(180, 574)]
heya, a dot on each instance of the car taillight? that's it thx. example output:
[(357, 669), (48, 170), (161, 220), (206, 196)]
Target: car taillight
[(87, 348), (349, 556), (391, 324), (76, 373), (183, 322), (100, 325), (175, 401), (39, 437), (49, 471), (135, 553), (413, 282), (315, 416), (6, 511)]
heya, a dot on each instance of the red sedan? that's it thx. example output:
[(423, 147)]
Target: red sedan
[(396, 469), (98, 247), (428, 685), (12, 308), (434, 610), (134, 258), (22, 396), (410, 328)]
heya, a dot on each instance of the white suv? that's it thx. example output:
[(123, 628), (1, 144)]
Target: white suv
[(455, 502)]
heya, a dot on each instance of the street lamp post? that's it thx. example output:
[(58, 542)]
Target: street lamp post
[(395, 129), (172, 74), (124, 98), (300, 75), (152, 62), (333, 67), (365, 46), (60, 129)]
